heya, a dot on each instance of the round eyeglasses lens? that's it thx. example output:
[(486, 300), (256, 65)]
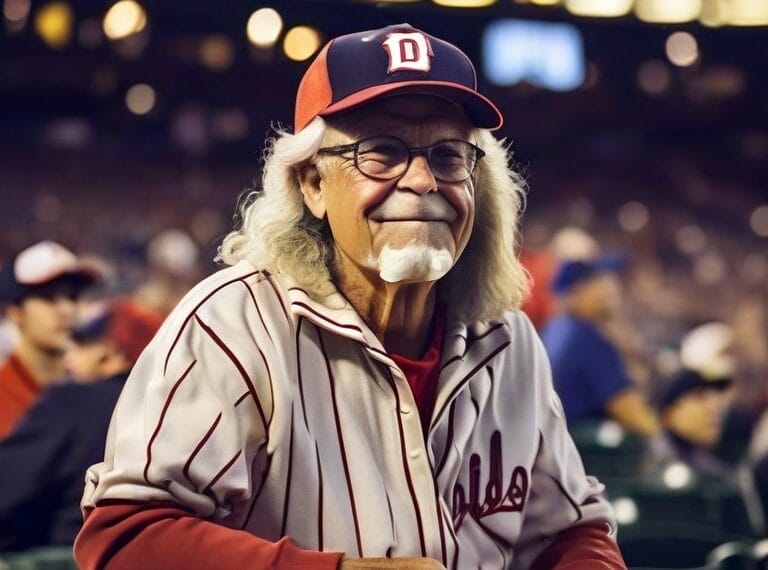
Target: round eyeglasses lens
[(452, 161), (382, 157)]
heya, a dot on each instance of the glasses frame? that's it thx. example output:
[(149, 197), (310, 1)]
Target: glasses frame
[(425, 151)]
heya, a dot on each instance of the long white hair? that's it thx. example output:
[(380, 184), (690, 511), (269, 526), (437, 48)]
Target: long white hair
[(277, 233)]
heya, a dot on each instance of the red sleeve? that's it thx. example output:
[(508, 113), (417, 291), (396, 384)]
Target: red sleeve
[(137, 536), (583, 547)]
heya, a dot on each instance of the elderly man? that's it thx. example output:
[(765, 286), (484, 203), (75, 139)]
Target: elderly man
[(356, 390)]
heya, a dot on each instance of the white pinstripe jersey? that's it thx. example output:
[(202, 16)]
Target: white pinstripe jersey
[(261, 409)]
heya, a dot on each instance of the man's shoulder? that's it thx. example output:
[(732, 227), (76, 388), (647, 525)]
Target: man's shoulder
[(230, 290), (519, 326), (513, 328), (239, 299)]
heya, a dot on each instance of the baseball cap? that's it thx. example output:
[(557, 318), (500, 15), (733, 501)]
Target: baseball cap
[(122, 322), (684, 381), (40, 268), (706, 349), (574, 271), (357, 68)]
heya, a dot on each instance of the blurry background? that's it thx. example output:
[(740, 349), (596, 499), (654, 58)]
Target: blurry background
[(119, 121), (128, 131)]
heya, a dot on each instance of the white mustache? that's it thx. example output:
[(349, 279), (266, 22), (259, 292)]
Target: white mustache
[(430, 207)]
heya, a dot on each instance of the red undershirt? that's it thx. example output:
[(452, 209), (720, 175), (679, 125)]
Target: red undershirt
[(422, 374), (18, 391), (132, 535)]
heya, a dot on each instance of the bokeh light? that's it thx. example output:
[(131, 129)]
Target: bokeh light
[(599, 8), (654, 77), (714, 13), (16, 15), (633, 217), (690, 239), (140, 99), (464, 3), (301, 42), (217, 52), (748, 12), (677, 476), (758, 220), (625, 510), (609, 434), (124, 19), (682, 49), (710, 269), (54, 22), (754, 269), (666, 12), (264, 27), (16, 10)]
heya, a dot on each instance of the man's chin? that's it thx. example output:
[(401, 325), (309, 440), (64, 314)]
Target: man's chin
[(414, 263)]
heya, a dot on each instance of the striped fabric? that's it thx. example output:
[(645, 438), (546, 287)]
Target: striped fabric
[(262, 409)]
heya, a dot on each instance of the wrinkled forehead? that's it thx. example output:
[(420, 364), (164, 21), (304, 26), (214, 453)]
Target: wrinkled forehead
[(407, 116)]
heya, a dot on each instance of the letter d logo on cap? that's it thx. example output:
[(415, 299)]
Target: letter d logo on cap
[(408, 52)]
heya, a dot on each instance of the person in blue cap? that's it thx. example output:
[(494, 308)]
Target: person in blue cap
[(587, 369)]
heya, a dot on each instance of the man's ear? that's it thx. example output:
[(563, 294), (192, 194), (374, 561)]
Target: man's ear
[(311, 188)]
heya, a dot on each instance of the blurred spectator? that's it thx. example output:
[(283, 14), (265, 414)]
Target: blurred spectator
[(750, 350), (569, 243), (173, 260), (8, 336), (587, 369), (692, 403), (691, 410), (65, 430), (38, 289), (541, 266), (111, 341)]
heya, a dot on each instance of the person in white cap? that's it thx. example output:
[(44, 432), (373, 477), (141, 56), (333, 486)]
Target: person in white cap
[(358, 389), (692, 403), (38, 292), (63, 433)]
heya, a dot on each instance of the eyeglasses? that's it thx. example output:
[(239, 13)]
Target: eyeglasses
[(387, 157)]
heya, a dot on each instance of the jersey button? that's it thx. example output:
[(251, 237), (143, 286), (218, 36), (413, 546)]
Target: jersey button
[(414, 453), (405, 409)]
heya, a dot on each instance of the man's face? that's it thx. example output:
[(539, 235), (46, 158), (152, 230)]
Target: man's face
[(45, 322), (599, 295), (696, 417), (409, 229), (84, 361)]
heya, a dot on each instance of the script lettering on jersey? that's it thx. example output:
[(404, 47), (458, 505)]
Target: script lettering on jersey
[(408, 52), (497, 497)]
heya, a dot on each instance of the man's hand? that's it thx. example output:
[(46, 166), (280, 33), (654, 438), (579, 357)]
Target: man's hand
[(390, 564)]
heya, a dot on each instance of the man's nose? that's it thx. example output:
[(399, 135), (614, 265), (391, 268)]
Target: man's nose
[(418, 177)]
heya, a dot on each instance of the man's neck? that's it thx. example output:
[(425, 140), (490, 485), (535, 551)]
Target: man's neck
[(399, 314), (46, 366)]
